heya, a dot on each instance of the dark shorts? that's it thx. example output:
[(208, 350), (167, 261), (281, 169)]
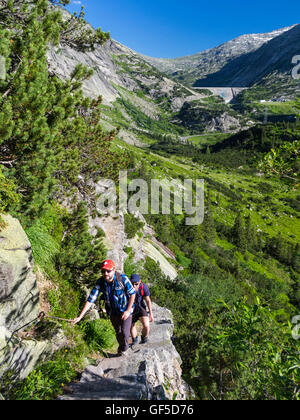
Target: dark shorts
[(139, 313)]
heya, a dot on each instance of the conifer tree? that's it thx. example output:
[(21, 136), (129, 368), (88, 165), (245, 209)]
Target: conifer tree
[(296, 259), (82, 253), (238, 233), (250, 234), (49, 132), (280, 248), (8, 195), (208, 226), (193, 234)]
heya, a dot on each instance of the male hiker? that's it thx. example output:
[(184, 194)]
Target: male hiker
[(119, 296), (140, 312)]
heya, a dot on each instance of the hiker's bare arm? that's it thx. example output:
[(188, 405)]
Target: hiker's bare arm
[(129, 307), (86, 307), (149, 304)]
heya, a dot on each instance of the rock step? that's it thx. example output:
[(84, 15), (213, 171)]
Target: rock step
[(122, 388)]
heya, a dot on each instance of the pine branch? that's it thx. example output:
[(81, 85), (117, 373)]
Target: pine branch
[(8, 162)]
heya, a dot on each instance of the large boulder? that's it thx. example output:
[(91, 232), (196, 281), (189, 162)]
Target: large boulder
[(19, 295), (19, 303)]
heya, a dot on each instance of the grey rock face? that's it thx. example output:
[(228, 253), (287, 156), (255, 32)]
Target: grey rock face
[(148, 371), (19, 296), (63, 60), (19, 302)]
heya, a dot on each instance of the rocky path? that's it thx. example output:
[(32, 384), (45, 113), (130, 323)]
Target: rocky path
[(149, 371)]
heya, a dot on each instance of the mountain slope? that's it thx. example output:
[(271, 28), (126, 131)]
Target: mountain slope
[(137, 97), (190, 68), (250, 68)]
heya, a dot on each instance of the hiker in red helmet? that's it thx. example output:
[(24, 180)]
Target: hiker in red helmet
[(118, 295), (142, 298)]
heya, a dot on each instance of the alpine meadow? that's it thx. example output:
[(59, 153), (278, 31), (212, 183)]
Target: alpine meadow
[(78, 112)]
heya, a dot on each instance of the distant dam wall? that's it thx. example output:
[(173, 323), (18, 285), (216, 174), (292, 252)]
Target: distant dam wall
[(227, 93)]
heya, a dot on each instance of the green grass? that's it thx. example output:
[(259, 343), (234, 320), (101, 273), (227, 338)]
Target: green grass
[(264, 196), (44, 247), (99, 334), (45, 382), (208, 139), (224, 244), (276, 108), (182, 260)]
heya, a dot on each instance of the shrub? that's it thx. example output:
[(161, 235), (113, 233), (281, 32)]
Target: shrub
[(132, 225), (45, 382), (99, 334), (246, 354), (8, 194)]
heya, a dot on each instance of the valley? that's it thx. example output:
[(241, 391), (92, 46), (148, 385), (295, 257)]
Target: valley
[(248, 244), (228, 116)]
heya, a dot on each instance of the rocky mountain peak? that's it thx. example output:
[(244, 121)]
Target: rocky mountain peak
[(189, 69)]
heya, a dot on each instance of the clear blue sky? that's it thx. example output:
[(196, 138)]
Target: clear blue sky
[(175, 28)]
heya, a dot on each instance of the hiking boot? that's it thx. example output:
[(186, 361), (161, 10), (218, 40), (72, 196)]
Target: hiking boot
[(122, 353), (135, 341), (144, 340)]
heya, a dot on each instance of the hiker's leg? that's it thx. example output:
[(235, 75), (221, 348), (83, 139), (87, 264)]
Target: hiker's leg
[(133, 331), (125, 327), (146, 326), (117, 324)]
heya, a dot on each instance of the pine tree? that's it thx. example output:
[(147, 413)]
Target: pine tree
[(49, 132), (193, 234), (296, 259), (208, 226), (250, 234), (77, 34), (82, 253), (8, 196), (280, 248), (239, 234)]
